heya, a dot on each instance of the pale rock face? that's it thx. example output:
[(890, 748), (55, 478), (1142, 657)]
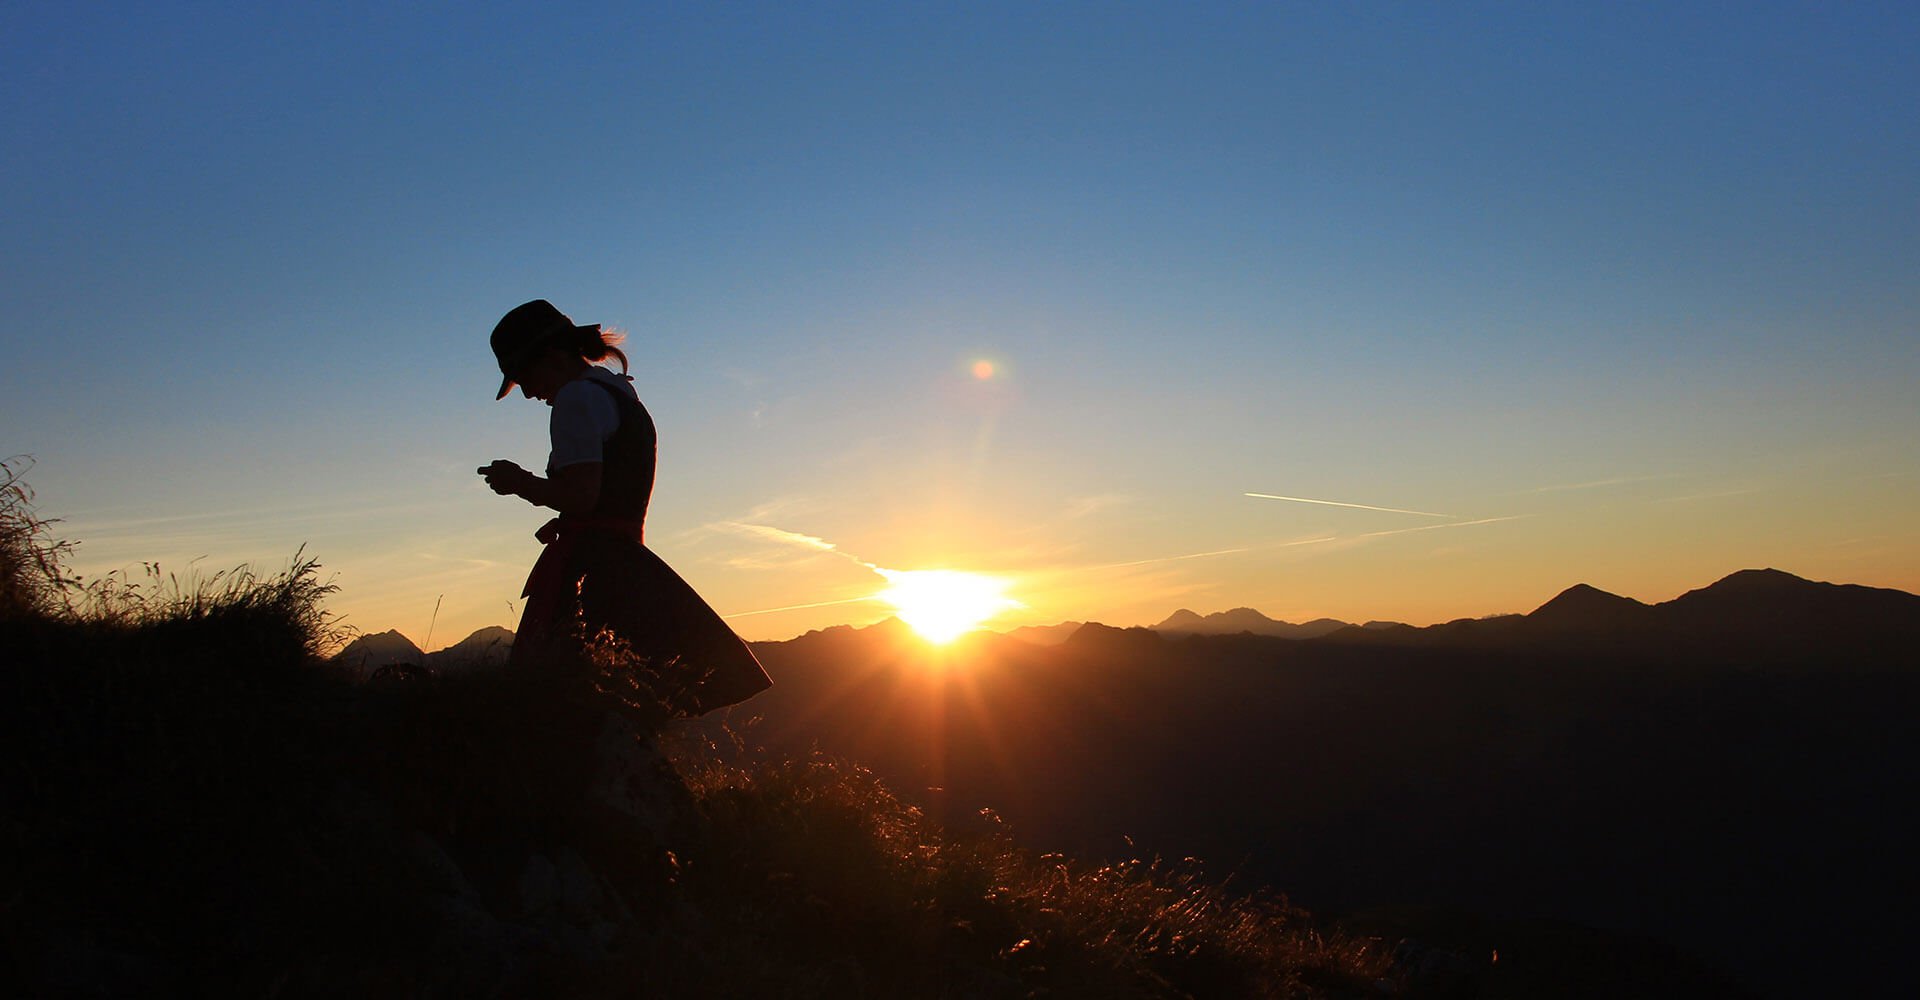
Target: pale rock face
[(636, 783)]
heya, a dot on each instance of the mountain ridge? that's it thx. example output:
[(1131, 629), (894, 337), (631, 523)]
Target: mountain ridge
[(1756, 616), (1746, 602), (1237, 620), (1555, 763), (488, 645)]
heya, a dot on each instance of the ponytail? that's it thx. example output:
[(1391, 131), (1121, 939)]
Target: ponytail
[(596, 344)]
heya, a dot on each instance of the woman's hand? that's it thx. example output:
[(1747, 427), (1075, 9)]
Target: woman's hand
[(575, 489), (547, 532), (505, 478)]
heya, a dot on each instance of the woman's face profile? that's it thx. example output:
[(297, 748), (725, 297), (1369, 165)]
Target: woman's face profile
[(545, 374)]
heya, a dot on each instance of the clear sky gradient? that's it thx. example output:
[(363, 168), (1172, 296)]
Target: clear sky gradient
[(1629, 294)]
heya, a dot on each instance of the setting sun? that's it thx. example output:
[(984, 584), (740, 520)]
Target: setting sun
[(943, 604)]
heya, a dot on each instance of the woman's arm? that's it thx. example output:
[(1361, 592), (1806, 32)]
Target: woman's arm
[(574, 489)]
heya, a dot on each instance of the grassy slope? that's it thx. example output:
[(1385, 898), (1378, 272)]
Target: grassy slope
[(192, 803)]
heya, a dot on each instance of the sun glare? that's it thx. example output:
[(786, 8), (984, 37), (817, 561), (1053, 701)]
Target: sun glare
[(944, 604)]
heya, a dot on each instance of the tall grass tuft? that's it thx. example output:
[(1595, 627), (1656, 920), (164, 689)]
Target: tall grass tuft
[(283, 611), (33, 573)]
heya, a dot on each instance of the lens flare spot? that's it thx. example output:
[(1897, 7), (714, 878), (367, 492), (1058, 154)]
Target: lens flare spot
[(943, 604), (984, 370)]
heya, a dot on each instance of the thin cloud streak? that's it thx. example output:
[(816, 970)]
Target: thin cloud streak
[(802, 607), (1215, 552), (1089, 505), (1337, 503), (1164, 559), (1437, 527), (782, 535), (794, 538), (93, 526), (1595, 484), (1706, 496)]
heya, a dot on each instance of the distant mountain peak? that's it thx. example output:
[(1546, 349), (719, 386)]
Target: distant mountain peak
[(486, 636), (1751, 586), (1759, 579), (1180, 619), (491, 645), (1094, 634), (379, 649), (1045, 635), (390, 639), (1586, 604), (1238, 620)]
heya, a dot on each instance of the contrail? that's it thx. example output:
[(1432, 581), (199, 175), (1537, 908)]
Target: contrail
[(1357, 506)]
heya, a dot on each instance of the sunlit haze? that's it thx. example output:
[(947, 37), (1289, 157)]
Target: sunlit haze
[(1346, 310), (941, 604)]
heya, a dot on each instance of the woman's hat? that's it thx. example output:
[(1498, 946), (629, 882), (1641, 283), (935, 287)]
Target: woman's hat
[(523, 333)]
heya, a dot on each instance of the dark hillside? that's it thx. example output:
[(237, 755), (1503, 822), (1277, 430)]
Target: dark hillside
[(197, 811), (1747, 811), (1798, 619), (1751, 618), (195, 805)]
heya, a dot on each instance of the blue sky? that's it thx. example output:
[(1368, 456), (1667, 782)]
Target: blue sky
[(1639, 277)]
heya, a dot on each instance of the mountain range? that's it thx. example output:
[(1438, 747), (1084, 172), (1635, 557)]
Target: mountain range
[(1723, 772), (485, 647), (1755, 615), (1238, 620), (1752, 616)]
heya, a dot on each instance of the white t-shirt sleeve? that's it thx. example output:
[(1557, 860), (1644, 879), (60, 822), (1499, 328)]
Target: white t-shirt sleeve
[(584, 417)]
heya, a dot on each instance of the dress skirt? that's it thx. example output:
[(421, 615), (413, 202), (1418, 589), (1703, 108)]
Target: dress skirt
[(604, 580)]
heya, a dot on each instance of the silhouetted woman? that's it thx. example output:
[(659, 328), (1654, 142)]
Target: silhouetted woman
[(595, 571)]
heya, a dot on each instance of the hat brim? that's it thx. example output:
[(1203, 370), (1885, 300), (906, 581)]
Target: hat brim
[(528, 351)]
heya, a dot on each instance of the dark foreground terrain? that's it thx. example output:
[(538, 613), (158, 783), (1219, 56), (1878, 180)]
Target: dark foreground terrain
[(1719, 781), (1702, 798), (195, 805)]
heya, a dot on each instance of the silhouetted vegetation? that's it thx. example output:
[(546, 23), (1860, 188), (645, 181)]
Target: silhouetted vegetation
[(33, 572), (861, 895), (196, 805)]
